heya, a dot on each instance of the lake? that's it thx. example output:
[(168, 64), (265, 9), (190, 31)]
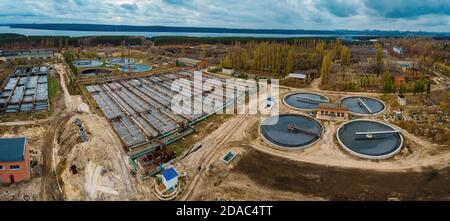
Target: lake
[(38, 32)]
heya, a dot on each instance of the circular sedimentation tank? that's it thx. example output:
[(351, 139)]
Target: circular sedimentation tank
[(291, 131), (95, 72), (305, 101), (363, 106), (87, 63), (120, 61), (370, 139), (135, 68)]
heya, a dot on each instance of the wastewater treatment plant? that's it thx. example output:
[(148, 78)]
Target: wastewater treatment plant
[(291, 131), (120, 61), (165, 118), (95, 72), (87, 63), (370, 139), (135, 68), (305, 101), (363, 106)]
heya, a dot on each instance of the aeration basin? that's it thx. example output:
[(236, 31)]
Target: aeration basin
[(291, 131), (370, 139), (363, 106), (135, 68), (120, 61), (95, 72), (305, 101), (87, 63)]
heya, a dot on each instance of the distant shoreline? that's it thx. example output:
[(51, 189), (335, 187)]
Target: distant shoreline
[(150, 29)]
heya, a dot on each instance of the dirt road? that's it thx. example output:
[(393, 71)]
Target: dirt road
[(211, 146), (50, 189), (72, 103)]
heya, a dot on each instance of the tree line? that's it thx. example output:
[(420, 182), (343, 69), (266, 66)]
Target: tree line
[(176, 40), (14, 41)]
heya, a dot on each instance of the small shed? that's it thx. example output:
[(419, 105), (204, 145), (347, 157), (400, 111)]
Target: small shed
[(170, 178), (228, 71), (297, 76), (303, 76), (332, 112), (398, 50), (401, 100), (191, 63)]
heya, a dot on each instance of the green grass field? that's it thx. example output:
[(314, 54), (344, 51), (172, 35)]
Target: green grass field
[(53, 87)]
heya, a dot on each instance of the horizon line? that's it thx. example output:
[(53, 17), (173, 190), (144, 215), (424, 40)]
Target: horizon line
[(217, 28)]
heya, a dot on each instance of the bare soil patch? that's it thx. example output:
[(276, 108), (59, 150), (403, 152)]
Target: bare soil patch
[(336, 183)]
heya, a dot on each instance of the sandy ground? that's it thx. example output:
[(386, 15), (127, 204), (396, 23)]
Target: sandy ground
[(337, 183), (72, 103), (102, 165), (104, 170)]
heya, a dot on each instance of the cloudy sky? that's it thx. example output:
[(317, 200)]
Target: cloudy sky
[(413, 15)]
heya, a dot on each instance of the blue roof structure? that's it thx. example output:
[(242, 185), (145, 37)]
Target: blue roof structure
[(170, 173), (12, 149)]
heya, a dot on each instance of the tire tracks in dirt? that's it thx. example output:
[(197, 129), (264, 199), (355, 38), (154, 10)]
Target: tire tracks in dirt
[(50, 189), (208, 157)]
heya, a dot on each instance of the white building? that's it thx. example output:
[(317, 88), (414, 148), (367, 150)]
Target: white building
[(398, 50), (228, 71), (191, 63), (297, 76), (303, 76), (401, 100)]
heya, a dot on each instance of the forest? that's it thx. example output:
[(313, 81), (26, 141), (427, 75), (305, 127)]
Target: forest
[(284, 58), (176, 40), (16, 41)]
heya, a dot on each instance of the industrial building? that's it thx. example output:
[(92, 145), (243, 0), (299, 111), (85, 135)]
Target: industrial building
[(228, 71), (192, 63), (14, 160), (26, 90), (305, 77), (332, 112), (140, 111), (170, 178), (398, 50), (401, 99), (33, 54)]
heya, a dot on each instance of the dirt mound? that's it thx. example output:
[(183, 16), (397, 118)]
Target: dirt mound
[(68, 138)]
